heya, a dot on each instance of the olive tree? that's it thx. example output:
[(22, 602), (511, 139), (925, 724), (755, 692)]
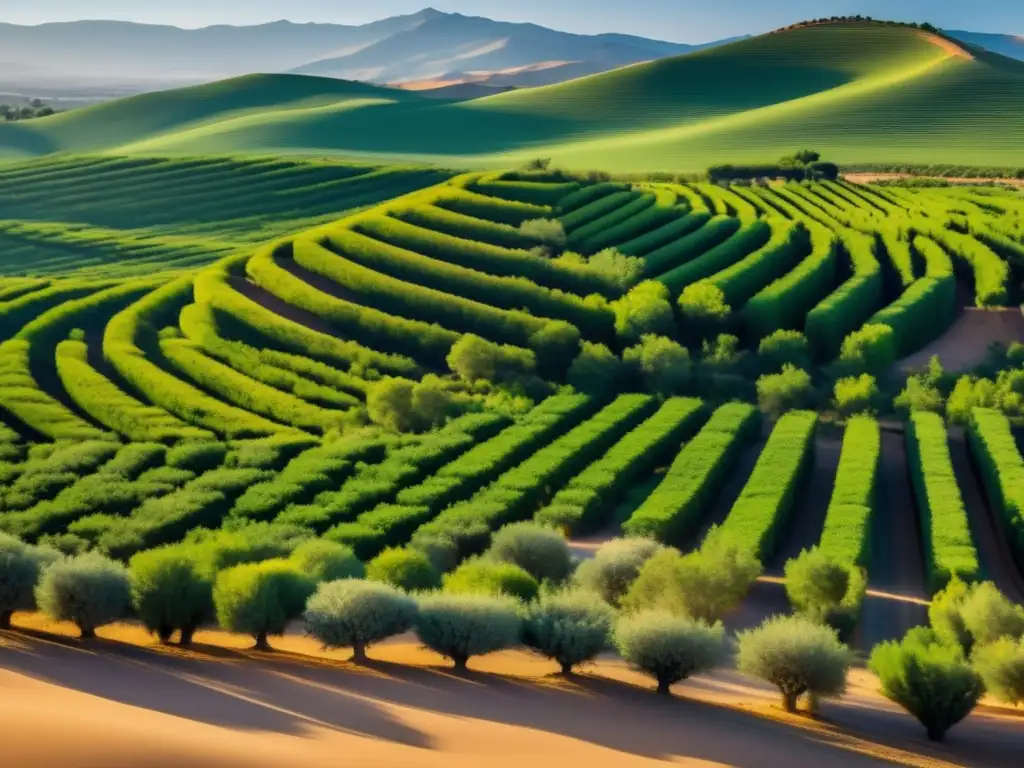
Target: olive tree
[(797, 656), (540, 551), (462, 626), (21, 566), (405, 568), (990, 616), (825, 590), (259, 599), (1001, 667), (615, 566), (929, 678), (569, 627), (171, 592), (481, 576), (670, 648), (89, 590), (356, 613), (323, 560)]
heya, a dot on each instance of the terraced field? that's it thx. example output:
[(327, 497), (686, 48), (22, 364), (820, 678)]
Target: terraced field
[(860, 93), (270, 385)]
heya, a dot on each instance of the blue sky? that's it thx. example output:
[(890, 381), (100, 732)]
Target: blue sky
[(679, 20)]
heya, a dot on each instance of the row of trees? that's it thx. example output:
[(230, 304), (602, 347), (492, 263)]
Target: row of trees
[(35, 108)]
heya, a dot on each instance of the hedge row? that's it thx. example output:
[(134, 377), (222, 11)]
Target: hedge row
[(114, 408), (949, 549), (897, 248), (846, 536), (17, 312), (588, 194), (744, 242), (764, 507), (592, 212), (584, 503), (508, 293), (677, 228), (519, 492), (716, 232), (465, 227), (43, 476), (532, 192), (991, 274), (850, 305), (785, 303), (489, 208), (16, 287), (640, 224), (927, 306), (790, 242), (1001, 467), (677, 506), (591, 237)]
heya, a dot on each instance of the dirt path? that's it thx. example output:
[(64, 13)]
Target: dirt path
[(965, 344), (871, 178), (897, 593), (997, 561), (280, 307)]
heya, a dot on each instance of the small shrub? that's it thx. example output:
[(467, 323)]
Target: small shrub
[(1001, 668), (826, 591), (407, 568), (705, 313), (354, 613), (20, 569), (615, 566), (569, 627), (89, 590), (857, 395), (170, 592), (474, 359), (462, 626), (322, 560), (872, 350), (670, 648), (540, 551), (479, 576), (549, 232), (784, 348), (596, 370), (259, 599), (662, 365), (197, 457), (645, 310), (408, 406), (990, 616), (789, 390), (796, 655), (928, 678)]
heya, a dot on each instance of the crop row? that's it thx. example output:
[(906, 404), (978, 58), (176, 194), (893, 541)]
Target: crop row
[(991, 274), (644, 221), (741, 280), (43, 475), (717, 232), (1002, 470), (591, 237), (744, 242)]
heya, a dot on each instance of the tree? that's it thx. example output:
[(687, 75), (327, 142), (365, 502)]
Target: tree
[(555, 345), (1001, 668), (872, 349), (928, 678), (662, 365), (171, 592), (21, 566), (797, 656), (990, 616), (259, 599), (355, 613), (615, 566), (480, 576), (406, 568), (549, 232), (595, 370), (857, 395), (670, 648), (407, 406), (646, 309), (322, 560), (541, 551), (945, 618), (705, 313), (89, 590), (569, 627), (462, 626), (472, 358), (826, 591), (789, 390), (782, 348)]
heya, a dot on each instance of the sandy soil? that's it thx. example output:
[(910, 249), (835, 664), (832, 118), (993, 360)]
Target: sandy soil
[(965, 344), (122, 701), (871, 178), (947, 45)]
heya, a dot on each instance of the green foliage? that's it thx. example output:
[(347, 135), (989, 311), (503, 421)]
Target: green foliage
[(357, 614), (857, 395), (473, 358), (797, 656), (614, 567), (570, 628), (459, 627), (170, 592), (670, 648), (323, 560), (1001, 467), (872, 350), (827, 591), (540, 551), (89, 590), (783, 348), (929, 679), (716, 256), (409, 406), (662, 365), (846, 536), (20, 569), (197, 457), (596, 370), (407, 569), (704, 311), (644, 310), (988, 615), (789, 390), (549, 232), (259, 599), (1001, 668), (482, 576)]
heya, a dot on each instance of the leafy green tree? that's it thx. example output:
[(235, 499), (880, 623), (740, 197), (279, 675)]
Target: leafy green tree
[(789, 390), (171, 592), (826, 591), (782, 348), (481, 576), (460, 627), (1001, 668), (990, 616), (569, 627), (89, 590), (406, 568), (322, 560), (472, 358), (541, 551), (705, 314), (21, 567), (645, 310), (596, 370), (668, 647), (259, 599), (857, 395), (615, 566), (872, 349), (355, 613), (548, 232), (662, 365)]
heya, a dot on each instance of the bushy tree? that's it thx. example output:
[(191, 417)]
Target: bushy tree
[(825, 590), (409, 406), (555, 346), (670, 648), (462, 626), (405, 568), (705, 585), (990, 616), (945, 617), (615, 566), (595, 370), (796, 655), (473, 359), (645, 310), (569, 627), (922, 392), (872, 349), (355, 613), (482, 576), (789, 390), (615, 269), (549, 232), (322, 560), (259, 599), (705, 313), (929, 678), (171, 592), (21, 566), (89, 590), (722, 355), (857, 395), (784, 348), (1001, 668), (662, 365), (541, 551)]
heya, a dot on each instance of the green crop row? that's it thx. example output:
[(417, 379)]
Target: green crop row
[(43, 476), (785, 303), (532, 192), (590, 237), (747, 240), (901, 259), (470, 203), (676, 507), (766, 502), (1002, 470), (17, 287), (640, 224), (518, 493), (464, 227), (927, 306), (588, 194), (789, 244), (677, 228), (949, 549), (583, 504), (596, 210), (717, 232), (18, 311), (849, 306), (991, 274), (846, 536)]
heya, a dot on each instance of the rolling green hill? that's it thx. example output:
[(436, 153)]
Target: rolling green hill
[(857, 92)]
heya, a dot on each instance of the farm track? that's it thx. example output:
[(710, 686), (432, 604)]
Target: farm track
[(270, 302), (965, 345), (897, 594), (997, 561)]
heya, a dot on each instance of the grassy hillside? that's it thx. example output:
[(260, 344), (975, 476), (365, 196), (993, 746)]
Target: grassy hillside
[(858, 92)]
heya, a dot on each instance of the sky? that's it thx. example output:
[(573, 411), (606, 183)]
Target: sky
[(676, 20)]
